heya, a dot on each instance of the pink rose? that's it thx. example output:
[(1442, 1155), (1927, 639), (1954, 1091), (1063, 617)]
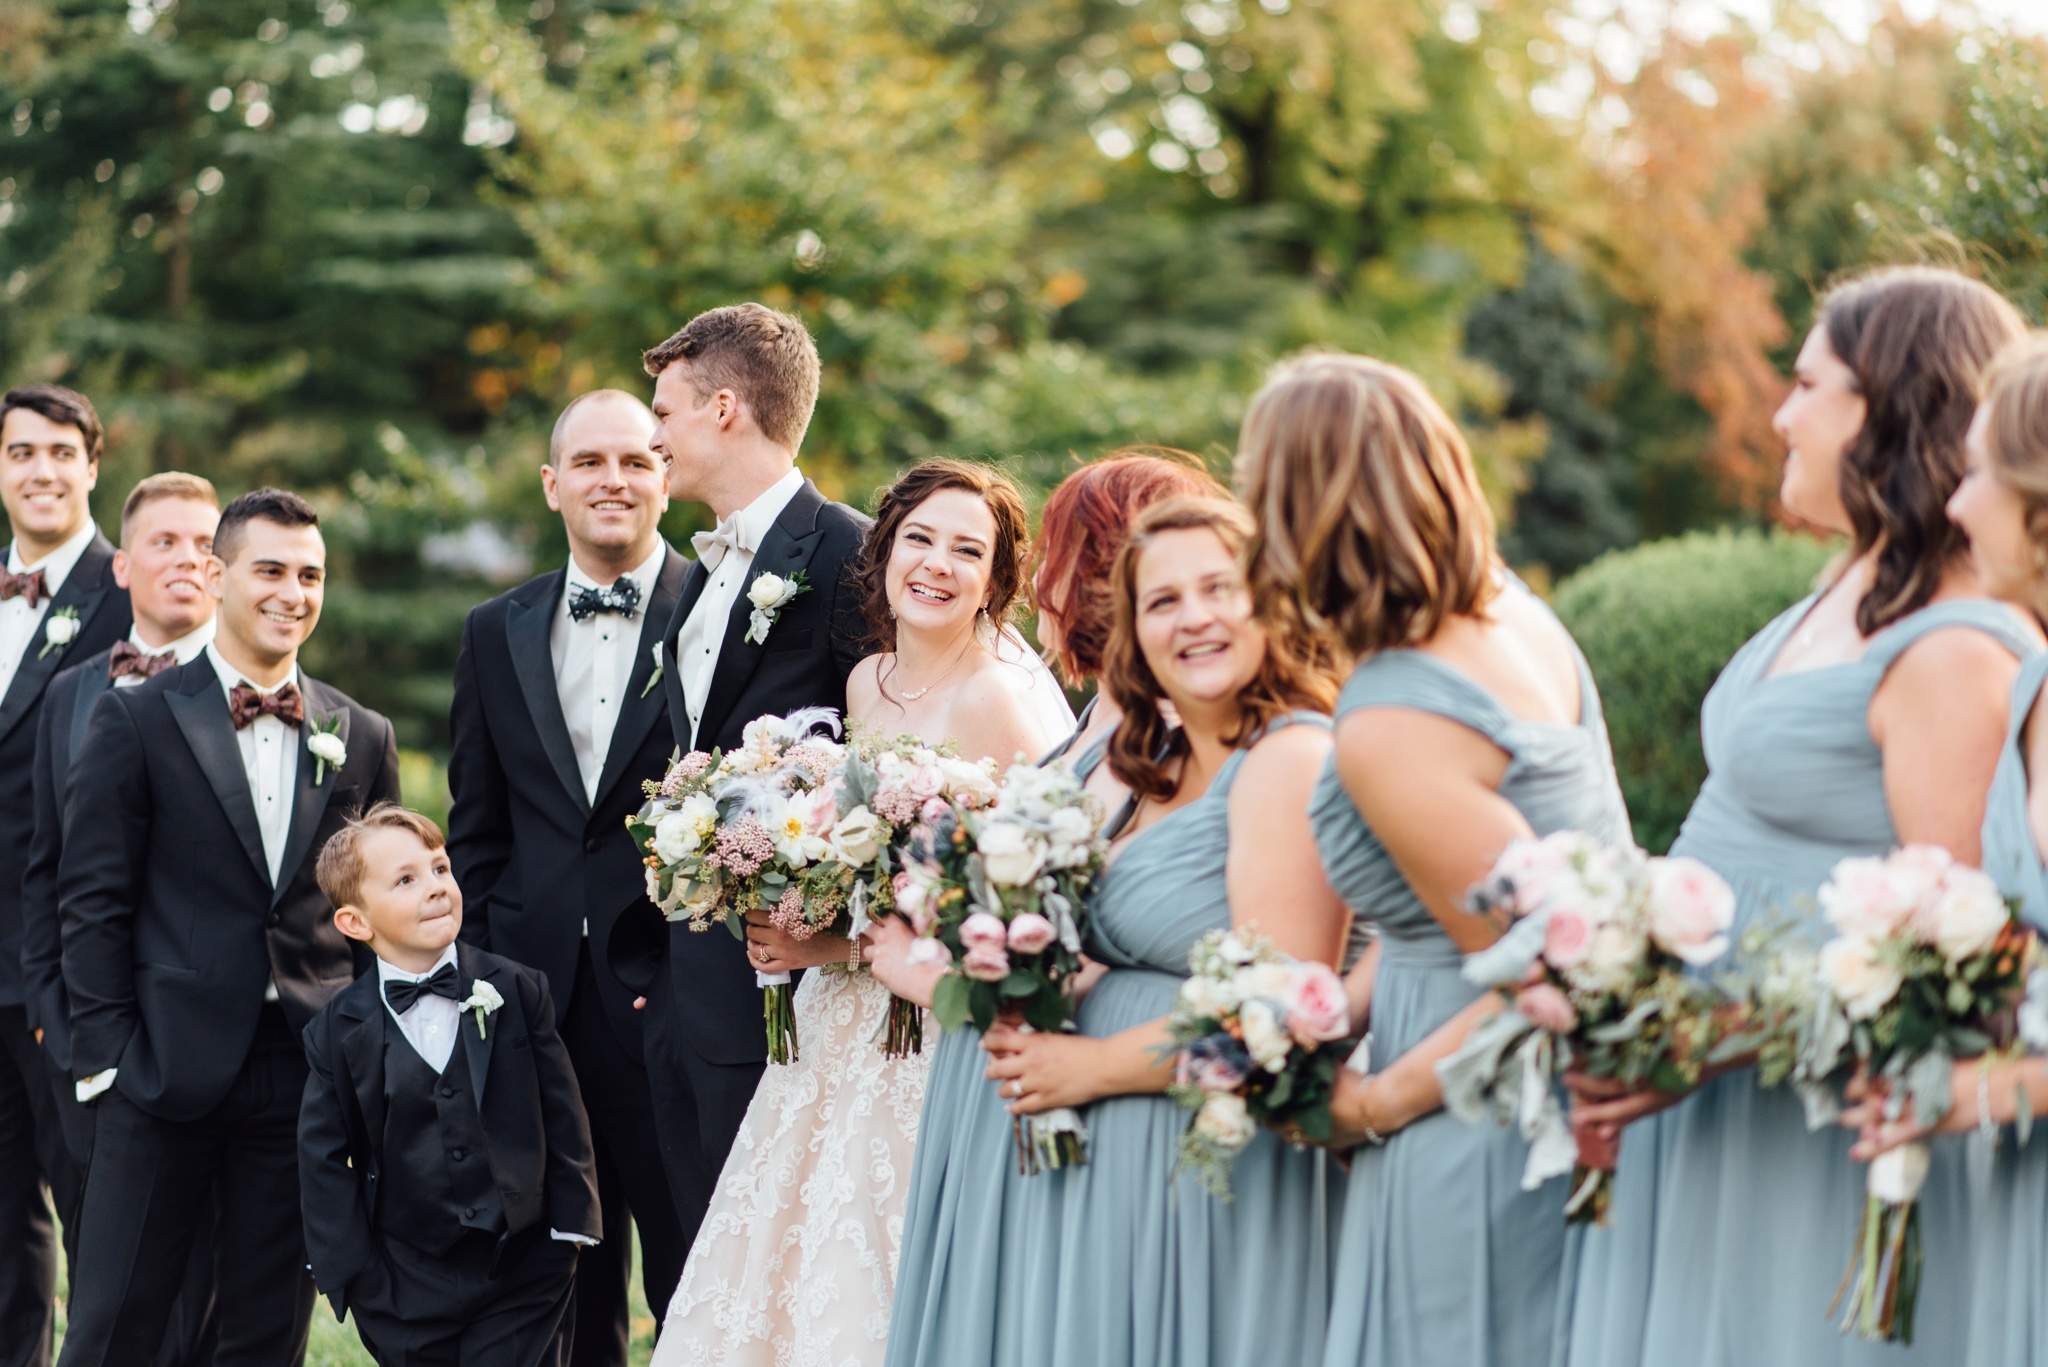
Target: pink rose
[(1547, 1008), (1872, 899), (986, 963), (1030, 933), (1568, 938), (934, 808), (925, 950), (983, 931), (1691, 910), (924, 780), (1317, 1009), (819, 808)]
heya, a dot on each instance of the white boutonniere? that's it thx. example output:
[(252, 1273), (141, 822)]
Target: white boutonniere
[(60, 629), (770, 593), (327, 748), (482, 999), (655, 677)]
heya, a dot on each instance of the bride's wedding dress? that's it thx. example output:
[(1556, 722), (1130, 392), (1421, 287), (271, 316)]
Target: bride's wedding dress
[(795, 1263)]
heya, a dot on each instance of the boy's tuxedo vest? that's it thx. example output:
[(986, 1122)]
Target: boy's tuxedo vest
[(437, 1172)]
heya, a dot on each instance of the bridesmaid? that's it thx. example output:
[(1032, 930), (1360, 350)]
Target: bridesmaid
[(962, 1246), (1867, 716), (1470, 720), (2002, 506), (1151, 1271)]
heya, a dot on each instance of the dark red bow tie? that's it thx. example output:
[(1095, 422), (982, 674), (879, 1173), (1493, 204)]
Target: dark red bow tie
[(31, 586), (245, 705), (130, 659)]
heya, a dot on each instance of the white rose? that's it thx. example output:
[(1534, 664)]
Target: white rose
[(1207, 997), (973, 784), (1011, 855), (766, 591), (1071, 831), (1264, 980), (654, 886), (1224, 1121), (857, 838), (1863, 983), (702, 811), (676, 836), (1612, 959), (1265, 1034), (327, 748), (1969, 914), (60, 630)]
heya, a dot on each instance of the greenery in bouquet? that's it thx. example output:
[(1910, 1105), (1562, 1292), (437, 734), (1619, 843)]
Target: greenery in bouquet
[(1260, 1038)]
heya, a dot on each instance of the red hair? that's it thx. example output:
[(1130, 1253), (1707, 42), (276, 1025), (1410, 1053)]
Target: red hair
[(1086, 522)]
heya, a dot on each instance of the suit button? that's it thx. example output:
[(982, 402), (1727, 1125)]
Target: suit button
[(458, 1155), (447, 1091), (469, 1212), (272, 920), (592, 845)]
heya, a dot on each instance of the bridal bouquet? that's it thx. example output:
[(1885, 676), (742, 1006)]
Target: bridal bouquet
[(1260, 1036), (997, 893), (1928, 964), (726, 833), (1594, 969)]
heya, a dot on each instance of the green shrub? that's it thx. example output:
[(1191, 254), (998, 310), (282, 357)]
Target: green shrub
[(1657, 622)]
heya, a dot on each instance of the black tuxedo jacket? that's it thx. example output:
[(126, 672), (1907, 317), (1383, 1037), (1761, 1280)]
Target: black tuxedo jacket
[(817, 639), (169, 922), (103, 618), (535, 859), (60, 731), (526, 1097)]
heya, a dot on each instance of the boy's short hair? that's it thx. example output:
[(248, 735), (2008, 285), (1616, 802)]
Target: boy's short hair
[(162, 485), (340, 870)]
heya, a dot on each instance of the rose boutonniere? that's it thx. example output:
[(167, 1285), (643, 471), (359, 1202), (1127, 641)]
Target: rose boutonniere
[(482, 999), (770, 593), (655, 677), (327, 748), (60, 629)]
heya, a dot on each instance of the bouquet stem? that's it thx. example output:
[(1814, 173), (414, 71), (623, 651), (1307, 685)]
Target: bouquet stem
[(1592, 1194), (778, 1011), (906, 1029), (1880, 1290), (1049, 1142)]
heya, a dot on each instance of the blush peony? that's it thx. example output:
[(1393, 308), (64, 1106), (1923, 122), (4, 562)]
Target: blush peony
[(1691, 910)]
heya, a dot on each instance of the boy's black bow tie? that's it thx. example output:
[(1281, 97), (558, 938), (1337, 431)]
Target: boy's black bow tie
[(440, 983)]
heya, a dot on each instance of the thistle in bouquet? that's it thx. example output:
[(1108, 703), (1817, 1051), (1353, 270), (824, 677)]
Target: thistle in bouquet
[(1260, 1037), (997, 894), (1597, 971), (729, 833), (1928, 964)]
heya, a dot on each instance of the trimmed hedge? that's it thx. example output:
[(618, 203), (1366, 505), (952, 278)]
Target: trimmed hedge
[(1657, 623)]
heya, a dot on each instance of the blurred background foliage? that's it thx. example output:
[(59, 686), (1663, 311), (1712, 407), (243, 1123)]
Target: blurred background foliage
[(368, 250)]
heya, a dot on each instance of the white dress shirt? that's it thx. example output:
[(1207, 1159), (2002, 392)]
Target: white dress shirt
[(594, 661), (270, 757), (183, 650), (20, 624), (429, 1026), (728, 555)]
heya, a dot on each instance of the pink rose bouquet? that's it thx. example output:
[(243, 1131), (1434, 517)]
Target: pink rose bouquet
[(1928, 964), (1596, 969), (1261, 1037)]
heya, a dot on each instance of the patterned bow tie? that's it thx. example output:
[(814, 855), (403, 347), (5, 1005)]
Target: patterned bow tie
[(623, 597), (131, 659), (711, 546), (245, 705), (440, 983), (31, 586)]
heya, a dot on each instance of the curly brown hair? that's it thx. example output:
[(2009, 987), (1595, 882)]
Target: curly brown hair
[(1006, 582), (1297, 673), (1918, 341)]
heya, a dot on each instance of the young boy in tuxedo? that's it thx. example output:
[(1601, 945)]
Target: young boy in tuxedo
[(445, 1166)]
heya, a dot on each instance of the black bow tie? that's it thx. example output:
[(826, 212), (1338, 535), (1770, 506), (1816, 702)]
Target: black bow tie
[(439, 983), (622, 597)]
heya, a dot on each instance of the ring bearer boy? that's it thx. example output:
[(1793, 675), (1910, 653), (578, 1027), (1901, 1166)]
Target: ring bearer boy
[(444, 1156)]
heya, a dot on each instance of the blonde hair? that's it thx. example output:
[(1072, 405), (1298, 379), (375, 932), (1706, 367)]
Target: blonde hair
[(341, 869), (1372, 528), (2016, 428), (166, 484)]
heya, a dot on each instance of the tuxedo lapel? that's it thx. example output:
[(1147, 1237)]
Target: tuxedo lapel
[(90, 687), (641, 707), (477, 1045), (533, 661), (363, 1018), (785, 551), (201, 711), (325, 712), (83, 589)]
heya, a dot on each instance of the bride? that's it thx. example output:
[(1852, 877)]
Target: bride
[(795, 1264)]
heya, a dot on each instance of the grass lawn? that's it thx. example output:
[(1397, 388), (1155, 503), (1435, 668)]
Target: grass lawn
[(336, 1345)]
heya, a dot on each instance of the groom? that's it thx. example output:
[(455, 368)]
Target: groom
[(733, 393)]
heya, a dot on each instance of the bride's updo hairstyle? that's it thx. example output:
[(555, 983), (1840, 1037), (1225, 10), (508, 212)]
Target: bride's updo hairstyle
[(2016, 438), (1084, 526), (1293, 677), (1006, 582), (1372, 530), (1917, 341)]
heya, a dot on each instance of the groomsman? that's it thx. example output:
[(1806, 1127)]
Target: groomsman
[(556, 724), (58, 604), (167, 528), (733, 393), (197, 944)]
